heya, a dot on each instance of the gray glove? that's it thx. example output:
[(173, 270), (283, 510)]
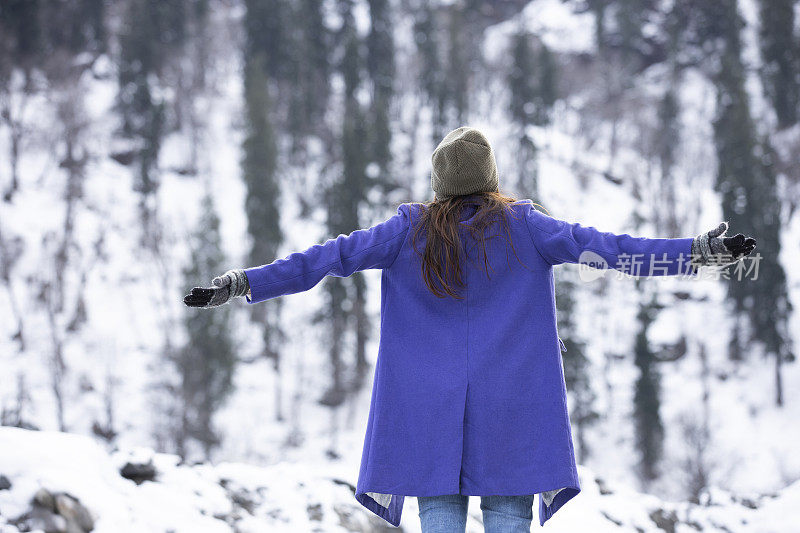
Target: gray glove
[(713, 248), (231, 284)]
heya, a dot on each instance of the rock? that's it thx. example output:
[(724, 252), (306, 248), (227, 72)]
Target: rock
[(355, 519), (611, 518), (750, 503), (613, 179), (345, 483), (123, 158), (602, 487), (139, 472), (314, 512), (243, 499), (664, 520), (104, 432), (76, 514), (5, 483), (348, 517), (55, 513), (44, 499), (45, 520)]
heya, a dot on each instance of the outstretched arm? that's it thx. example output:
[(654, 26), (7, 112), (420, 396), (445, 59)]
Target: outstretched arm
[(375, 247), (559, 241)]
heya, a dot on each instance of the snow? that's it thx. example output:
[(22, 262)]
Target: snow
[(291, 497), (552, 21)]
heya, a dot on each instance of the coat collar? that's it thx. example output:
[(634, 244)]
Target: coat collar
[(472, 200), (470, 206)]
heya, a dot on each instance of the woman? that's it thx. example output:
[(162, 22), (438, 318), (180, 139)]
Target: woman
[(469, 395)]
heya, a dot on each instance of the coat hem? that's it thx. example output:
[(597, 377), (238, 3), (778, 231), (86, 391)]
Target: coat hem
[(393, 512), (562, 497)]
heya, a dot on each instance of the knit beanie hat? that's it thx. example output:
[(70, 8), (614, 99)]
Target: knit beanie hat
[(463, 163)]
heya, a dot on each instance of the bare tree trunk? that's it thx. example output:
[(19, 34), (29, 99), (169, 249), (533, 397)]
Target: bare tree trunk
[(335, 395), (778, 378), (13, 119), (276, 365), (295, 436), (109, 402), (696, 431), (8, 258), (363, 326), (705, 376), (57, 365), (14, 416), (72, 194)]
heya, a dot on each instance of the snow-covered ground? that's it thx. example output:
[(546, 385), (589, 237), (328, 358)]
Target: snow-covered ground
[(314, 496)]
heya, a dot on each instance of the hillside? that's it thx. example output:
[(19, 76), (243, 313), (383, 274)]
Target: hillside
[(91, 312)]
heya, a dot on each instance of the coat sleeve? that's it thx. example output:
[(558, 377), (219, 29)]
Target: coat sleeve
[(374, 247), (559, 241)]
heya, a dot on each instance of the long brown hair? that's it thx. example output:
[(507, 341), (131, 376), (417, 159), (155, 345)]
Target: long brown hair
[(441, 260)]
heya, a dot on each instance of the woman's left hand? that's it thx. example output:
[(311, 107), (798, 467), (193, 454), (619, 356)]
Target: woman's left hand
[(713, 248)]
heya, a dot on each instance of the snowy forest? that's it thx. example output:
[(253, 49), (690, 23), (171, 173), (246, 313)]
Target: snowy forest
[(147, 147)]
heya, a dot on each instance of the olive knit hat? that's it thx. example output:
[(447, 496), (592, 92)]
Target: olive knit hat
[(463, 163)]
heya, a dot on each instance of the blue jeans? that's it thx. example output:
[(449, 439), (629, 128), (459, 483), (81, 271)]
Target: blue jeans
[(501, 514)]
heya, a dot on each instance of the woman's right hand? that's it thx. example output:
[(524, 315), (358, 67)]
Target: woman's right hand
[(229, 285)]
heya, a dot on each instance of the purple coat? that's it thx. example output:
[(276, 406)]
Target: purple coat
[(468, 395)]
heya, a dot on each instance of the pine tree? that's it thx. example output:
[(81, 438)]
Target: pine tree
[(667, 139), (546, 85), (668, 135), (73, 26), (598, 9), (259, 171), (38, 32), (431, 71), (353, 193), (205, 365), (747, 181), (522, 85), (647, 397), (153, 32), (532, 81), (630, 17), (521, 78), (780, 50), (269, 31), (20, 22), (47, 37), (458, 68), (342, 200), (577, 370), (381, 70), (310, 72), (191, 82)]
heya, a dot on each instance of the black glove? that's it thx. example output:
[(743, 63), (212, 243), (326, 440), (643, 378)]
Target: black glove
[(739, 245), (231, 284), (712, 248)]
